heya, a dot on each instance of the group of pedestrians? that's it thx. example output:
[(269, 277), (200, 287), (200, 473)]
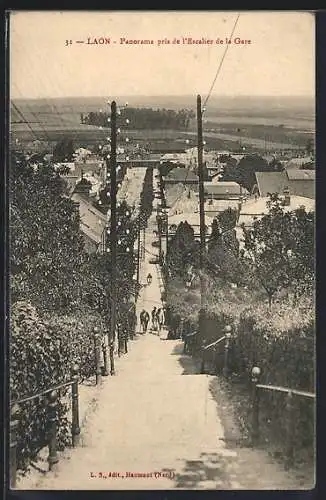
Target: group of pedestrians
[(157, 317)]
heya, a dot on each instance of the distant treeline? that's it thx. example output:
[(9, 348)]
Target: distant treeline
[(143, 118)]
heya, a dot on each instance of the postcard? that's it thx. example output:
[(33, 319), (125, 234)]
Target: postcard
[(162, 276)]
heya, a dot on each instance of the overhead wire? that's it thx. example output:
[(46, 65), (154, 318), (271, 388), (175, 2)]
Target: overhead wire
[(33, 113), (21, 114), (221, 62)]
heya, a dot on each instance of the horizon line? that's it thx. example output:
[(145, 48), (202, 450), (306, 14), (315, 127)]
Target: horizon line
[(311, 96)]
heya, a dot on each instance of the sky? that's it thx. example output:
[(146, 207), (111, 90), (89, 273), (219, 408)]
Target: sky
[(280, 60)]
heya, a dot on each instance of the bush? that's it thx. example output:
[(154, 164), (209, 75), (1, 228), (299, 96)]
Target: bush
[(75, 334), (42, 352), (281, 341)]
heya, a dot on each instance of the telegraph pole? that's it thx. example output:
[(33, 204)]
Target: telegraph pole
[(201, 215), (201, 197), (113, 234), (138, 250)]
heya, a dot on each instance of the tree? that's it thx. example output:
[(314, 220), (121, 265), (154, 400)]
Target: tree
[(275, 166), (230, 170), (46, 247), (247, 167), (223, 248), (279, 250), (310, 147), (64, 150), (183, 251), (147, 196), (144, 118)]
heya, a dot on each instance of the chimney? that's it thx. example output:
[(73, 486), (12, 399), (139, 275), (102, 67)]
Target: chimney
[(287, 197)]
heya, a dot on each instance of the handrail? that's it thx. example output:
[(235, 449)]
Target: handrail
[(35, 396), (214, 343), (286, 389), (191, 334)]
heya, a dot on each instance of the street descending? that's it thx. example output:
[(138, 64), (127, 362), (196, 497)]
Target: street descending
[(156, 424)]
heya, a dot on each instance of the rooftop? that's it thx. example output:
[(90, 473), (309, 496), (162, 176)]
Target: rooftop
[(256, 208), (93, 222), (299, 182), (180, 174), (298, 162), (295, 174), (222, 188)]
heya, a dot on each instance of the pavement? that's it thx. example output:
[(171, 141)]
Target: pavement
[(156, 425)]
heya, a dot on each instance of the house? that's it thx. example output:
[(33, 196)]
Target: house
[(214, 170), (297, 163), (254, 209), (182, 200), (222, 190), (82, 153), (181, 175), (136, 160), (299, 182), (214, 207), (71, 182), (92, 222), (172, 158)]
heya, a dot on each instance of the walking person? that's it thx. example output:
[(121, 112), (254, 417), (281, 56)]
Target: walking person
[(154, 319), (144, 319), (158, 311), (160, 318)]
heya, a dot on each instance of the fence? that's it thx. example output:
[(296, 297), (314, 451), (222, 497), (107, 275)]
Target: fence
[(220, 361), (291, 394), (52, 394), (52, 402)]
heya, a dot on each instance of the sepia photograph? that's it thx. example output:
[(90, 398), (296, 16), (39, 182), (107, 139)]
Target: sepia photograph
[(161, 180)]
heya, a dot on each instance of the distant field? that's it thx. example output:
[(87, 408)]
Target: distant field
[(88, 136), (265, 123), (302, 123)]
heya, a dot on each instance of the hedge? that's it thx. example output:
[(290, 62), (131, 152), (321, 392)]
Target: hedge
[(281, 341), (42, 352)]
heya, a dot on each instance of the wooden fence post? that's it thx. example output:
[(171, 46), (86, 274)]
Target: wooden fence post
[(119, 341), (203, 353), (97, 348), (53, 406), (14, 421), (289, 429), (105, 359), (75, 429), (185, 344), (111, 347), (125, 339), (226, 350), (255, 374)]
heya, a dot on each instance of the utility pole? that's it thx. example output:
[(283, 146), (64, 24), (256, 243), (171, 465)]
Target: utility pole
[(138, 250), (144, 240), (201, 215), (113, 234)]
